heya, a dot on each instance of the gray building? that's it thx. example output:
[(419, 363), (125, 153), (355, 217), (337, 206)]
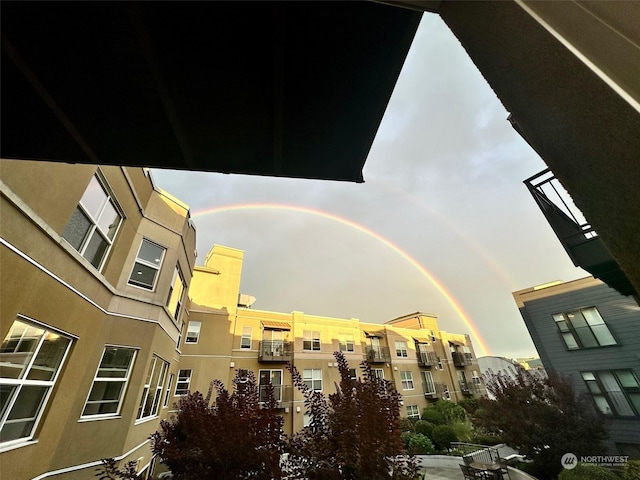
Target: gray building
[(590, 332)]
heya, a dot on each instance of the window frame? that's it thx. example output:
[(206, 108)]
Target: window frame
[(277, 389), (570, 331), (378, 373), (178, 279), (23, 381), (196, 330), (94, 222), (245, 337), (427, 378), (312, 378), (598, 389), (415, 415), (312, 343), (402, 351), (182, 380), (405, 382), (131, 282), (125, 381), (158, 389), (345, 341), (167, 392)]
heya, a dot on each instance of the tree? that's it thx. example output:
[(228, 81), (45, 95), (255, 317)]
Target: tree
[(542, 418), (354, 435), (235, 438), (442, 436)]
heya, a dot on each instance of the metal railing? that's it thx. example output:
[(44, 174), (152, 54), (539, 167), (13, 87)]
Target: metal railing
[(377, 354), (461, 359), (427, 359), (464, 387), (275, 351), (282, 393)]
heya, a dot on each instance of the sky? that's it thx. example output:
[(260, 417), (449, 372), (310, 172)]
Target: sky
[(443, 223)]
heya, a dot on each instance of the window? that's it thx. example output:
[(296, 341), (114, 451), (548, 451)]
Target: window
[(353, 375), (94, 223), (476, 378), (306, 419), (30, 361), (378, 373), (245, 341), (615, 392), (313, 378), (429, 386), (110, 382), (145, 270), (311, 340), (182, 385), (407, 380), (273, 377), (413, 412), (193, 332), (446, 395), (346, 343), (174, 301), (153, 388), (167, 392), (583, 328), (467, 354), (401, 349)]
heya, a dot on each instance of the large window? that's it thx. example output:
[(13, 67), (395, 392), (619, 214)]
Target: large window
[(94, 223), (148, 262), (30, 361), (413, 412), (583, 328), (245, 341), (110, 382), (313, 378), (406, 378), (184, 379), (174, 301), (167, 392), (310, 340), (153, 387), (346, 343), (273, 377), (378, 373), (401, 349), (615, 392), (428, 385), (193, 332)]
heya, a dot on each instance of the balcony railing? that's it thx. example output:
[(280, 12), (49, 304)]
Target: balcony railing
[(429, 390), (464, 387), (461, 359), (427, 359), (282, 393), (275, 351), (377, 354), (578, 238)]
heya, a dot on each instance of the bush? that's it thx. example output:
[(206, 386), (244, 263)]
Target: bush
[(406, 425), (632, 470), (420, 445), (483, 439), (433, 416), (442, 436), (424, 427), (588, 472)]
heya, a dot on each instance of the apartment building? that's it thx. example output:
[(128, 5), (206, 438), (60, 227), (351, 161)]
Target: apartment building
[(590, 332), (96, 262), (224, 334)]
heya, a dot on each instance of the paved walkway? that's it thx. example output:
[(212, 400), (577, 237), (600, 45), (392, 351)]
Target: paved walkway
[(443, 473)]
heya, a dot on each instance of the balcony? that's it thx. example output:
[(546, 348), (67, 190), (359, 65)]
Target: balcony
[(429, 390), (282, 393), (578, 238), (464, 388), (461, 359), (275, 351), (427, 359), (377, 354)]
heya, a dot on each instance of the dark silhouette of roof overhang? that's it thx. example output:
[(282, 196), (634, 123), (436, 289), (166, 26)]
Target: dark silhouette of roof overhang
[(282, 89)]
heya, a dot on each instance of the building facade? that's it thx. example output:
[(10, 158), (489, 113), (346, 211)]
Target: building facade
[(96, 262), (590, 332), (106, 321)]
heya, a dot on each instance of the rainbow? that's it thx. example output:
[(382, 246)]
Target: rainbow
[(478, 339)]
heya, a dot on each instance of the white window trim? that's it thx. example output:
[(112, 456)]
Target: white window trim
[(158, 268), (8, 445), (430, 382), (197, 331), (177, 278), (313, 338), (346, 340), (243, 337), (416, 415), (403, 349), (124, 388), (155, 359), (175, 390), (167, 391), (312, 379), (410, 379), (381, 370)]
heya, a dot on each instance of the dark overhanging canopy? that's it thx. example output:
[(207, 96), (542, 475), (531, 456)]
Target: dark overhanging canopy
[(281, 89)]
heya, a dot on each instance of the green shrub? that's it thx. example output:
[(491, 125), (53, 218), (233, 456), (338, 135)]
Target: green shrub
[(406, 425), (483, 439), (632, 470), (462, 430), (424, 427), (432, 415), (406, 437), (588, 472), (420, 445), (442, 436)]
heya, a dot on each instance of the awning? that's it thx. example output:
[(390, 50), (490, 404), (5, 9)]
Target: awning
[(372, 334), (272, 325), (421, 340), (455, 342)]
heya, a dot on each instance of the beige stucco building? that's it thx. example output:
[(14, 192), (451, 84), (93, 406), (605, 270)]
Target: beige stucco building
[(100, 338)]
